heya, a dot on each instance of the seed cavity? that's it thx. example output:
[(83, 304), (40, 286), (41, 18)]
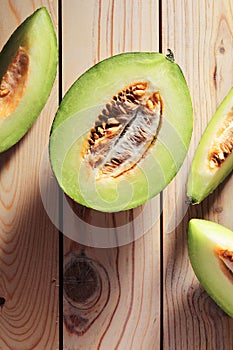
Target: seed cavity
[(226, 256), (124, 131), (13, 83), (222, 146)]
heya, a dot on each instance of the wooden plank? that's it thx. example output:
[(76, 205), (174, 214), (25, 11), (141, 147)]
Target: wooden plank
[(28, 240), (201, 35), (125, 314)]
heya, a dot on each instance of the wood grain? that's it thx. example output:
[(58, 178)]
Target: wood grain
[(28, 240), (123, 310), (201, 36), (112, 296)]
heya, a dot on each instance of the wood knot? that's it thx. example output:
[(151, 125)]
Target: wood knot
[(2, 301), (222, 50), (218, 210), (82, 283), (86, 292)]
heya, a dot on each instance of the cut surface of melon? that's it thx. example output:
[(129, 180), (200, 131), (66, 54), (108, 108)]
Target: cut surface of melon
[(122, 131)]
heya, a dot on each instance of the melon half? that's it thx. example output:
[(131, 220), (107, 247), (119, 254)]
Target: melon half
[(122, 131)]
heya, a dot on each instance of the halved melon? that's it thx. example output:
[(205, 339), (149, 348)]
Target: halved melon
[(28, 64), (210, 247), (122, 131), (213, 160)]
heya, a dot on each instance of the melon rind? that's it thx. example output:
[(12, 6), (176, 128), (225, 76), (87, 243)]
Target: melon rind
[(84, 102), (37, 34), (204, 237)]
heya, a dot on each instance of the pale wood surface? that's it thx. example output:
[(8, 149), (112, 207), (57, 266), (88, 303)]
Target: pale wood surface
[(201, 35), (28, 240), (120, 300)]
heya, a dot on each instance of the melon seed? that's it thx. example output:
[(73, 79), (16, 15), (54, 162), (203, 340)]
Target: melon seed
[(13, 83), (226, 256), (125, 130), (222, 146)]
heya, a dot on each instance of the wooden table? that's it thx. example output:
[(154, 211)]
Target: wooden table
[(142, 295)]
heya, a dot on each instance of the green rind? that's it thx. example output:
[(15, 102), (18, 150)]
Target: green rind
[(202, 181), (79, 110), (203, 238), (37, 33)]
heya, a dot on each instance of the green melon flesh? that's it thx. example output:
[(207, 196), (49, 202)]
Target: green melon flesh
[(36, 36), (205, 240), (79, 110), (203, 180)]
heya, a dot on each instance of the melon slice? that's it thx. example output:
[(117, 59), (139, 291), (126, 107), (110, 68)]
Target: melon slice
[(210, 247), (213, 160), (28, 64)]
